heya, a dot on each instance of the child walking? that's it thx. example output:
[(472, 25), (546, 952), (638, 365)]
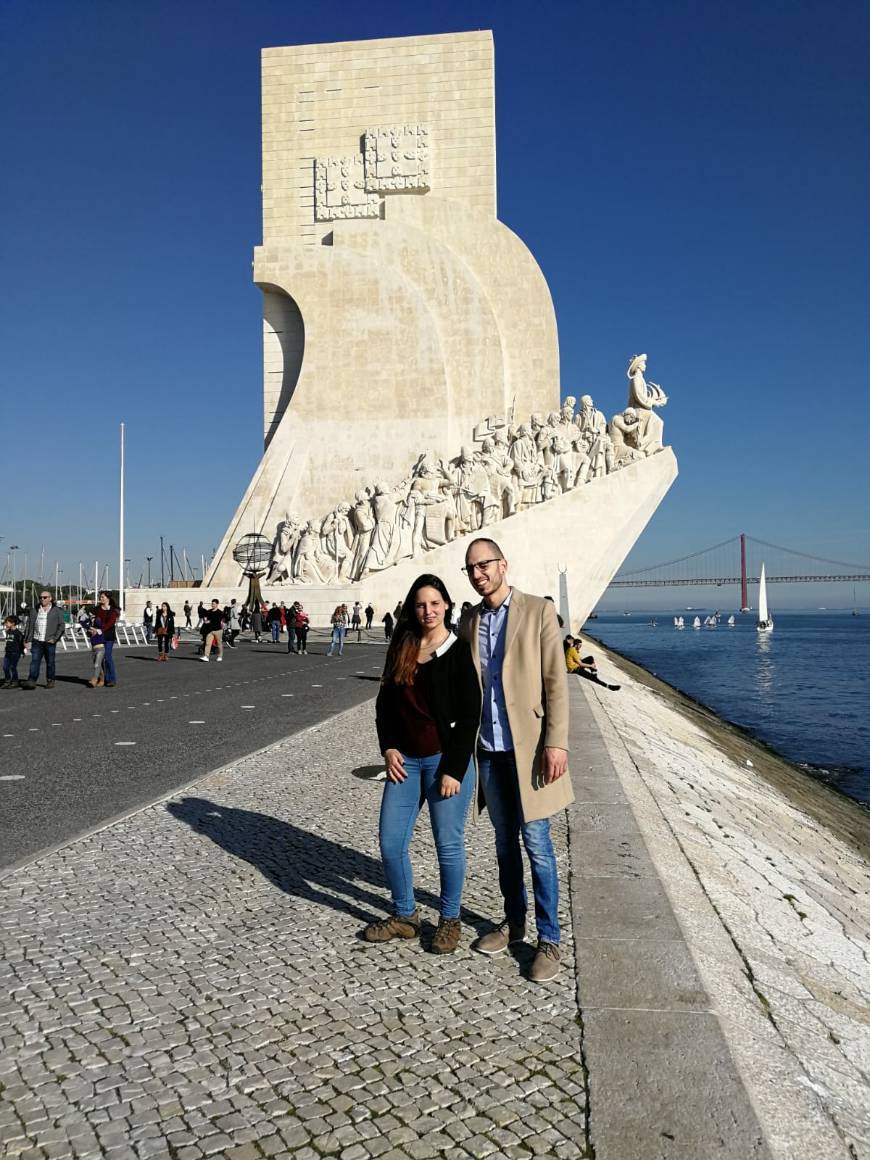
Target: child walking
[(12, 653)]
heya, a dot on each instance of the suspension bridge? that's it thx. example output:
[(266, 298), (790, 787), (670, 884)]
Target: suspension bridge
[(738, 561)]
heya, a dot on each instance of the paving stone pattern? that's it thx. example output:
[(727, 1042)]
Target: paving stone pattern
[(190, 982)]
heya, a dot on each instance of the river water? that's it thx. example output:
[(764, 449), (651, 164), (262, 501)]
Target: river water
[(803, 689)]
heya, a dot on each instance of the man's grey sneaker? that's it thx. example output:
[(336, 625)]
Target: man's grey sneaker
[(445, 940), (393, 927), (500, 939), (545, 964)]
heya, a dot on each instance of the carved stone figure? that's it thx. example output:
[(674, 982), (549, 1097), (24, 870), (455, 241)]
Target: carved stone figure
[(497, 465), (362, 525), (472, 486), (589, 419), (383, 550), (643, 396), (626, 433), (336, 537), (308, 566), (564, 456), (549, 486), (566, 415), (526, 468), (281, 566)]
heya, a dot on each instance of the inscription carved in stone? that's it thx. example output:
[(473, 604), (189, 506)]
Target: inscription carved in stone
[(340, 191), (397, 157)]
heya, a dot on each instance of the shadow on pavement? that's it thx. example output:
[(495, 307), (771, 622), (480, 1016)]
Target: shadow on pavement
[(369, 772), (296, 861)]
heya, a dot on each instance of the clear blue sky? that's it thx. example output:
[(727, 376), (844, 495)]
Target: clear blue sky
[(721, 175)]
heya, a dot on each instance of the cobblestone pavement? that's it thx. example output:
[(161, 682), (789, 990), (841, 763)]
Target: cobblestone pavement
[(190, 982)]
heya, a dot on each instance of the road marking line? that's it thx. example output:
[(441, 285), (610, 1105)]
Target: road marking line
[(283, 695), (11, 776), (56, 723), (196, 722), (317, 686), (79, 718), (125, 742), (247, 706), (33, 729), (116, 710), (8, 734)]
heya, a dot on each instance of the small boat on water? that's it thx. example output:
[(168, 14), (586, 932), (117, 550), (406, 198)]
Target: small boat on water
[(731, 622), (679, 622), (765, 620), (696, 623)]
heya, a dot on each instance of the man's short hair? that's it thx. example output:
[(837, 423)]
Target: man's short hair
[(215, 600), (493, 546)]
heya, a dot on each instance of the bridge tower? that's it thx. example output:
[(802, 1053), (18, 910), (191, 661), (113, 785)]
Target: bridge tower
[(744, 599)]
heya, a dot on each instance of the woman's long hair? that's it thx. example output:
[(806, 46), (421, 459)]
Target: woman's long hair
[(401, 662)]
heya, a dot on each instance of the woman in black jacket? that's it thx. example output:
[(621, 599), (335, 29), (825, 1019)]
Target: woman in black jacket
[(164, 623), (428, 715)]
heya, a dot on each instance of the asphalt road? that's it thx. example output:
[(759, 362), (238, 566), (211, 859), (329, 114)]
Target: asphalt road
[(72, 757)]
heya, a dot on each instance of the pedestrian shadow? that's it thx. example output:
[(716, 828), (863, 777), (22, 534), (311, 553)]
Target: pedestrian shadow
[(298, 862), (67, 680)]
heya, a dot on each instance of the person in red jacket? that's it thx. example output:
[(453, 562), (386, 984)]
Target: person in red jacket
[(107, 615)]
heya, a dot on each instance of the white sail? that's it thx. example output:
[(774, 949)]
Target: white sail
[(765, 623), (696, 623)]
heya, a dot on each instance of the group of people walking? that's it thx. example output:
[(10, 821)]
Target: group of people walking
[(475, 716), (39, 633)]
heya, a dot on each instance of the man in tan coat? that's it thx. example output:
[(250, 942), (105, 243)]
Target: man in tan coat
[(522, 752)]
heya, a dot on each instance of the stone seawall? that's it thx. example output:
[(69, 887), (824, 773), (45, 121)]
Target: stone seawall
[(767, 874)]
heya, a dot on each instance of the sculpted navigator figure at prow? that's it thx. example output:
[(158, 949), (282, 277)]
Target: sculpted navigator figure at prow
[(643, 396)]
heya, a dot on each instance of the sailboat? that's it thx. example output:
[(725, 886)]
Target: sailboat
[(730, 621), (696, 623), (765, 620)]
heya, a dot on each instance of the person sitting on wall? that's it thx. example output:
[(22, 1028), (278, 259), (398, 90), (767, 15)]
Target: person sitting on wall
[(583, 666)]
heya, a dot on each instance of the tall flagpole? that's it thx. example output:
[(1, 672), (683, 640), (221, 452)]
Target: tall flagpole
[(121, 590)]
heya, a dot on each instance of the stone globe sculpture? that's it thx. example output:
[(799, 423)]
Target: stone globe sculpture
[(253, 553)]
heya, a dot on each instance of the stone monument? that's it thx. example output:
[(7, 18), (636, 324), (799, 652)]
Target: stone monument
[(410, 353)]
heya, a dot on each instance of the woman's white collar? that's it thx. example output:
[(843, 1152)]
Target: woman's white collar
[(442, 648)]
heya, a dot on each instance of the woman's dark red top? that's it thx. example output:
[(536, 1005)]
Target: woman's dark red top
[(416, 730)]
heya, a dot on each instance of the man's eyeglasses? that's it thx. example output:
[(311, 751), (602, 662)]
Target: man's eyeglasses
[(481, 565), (45, 597)]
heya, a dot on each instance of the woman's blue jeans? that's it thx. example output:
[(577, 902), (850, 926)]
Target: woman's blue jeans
[(109, 664), (400, 807), (501, 789), (338, 635)]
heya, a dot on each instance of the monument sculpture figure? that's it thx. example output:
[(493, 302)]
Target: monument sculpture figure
[(643, 397)]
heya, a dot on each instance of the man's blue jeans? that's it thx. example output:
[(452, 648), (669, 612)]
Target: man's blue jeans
[(498, 779), (109, 664), (38, 650), (400, 807), (275, 626)]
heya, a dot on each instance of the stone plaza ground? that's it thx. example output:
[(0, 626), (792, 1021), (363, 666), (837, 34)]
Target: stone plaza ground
[(190, 982)]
